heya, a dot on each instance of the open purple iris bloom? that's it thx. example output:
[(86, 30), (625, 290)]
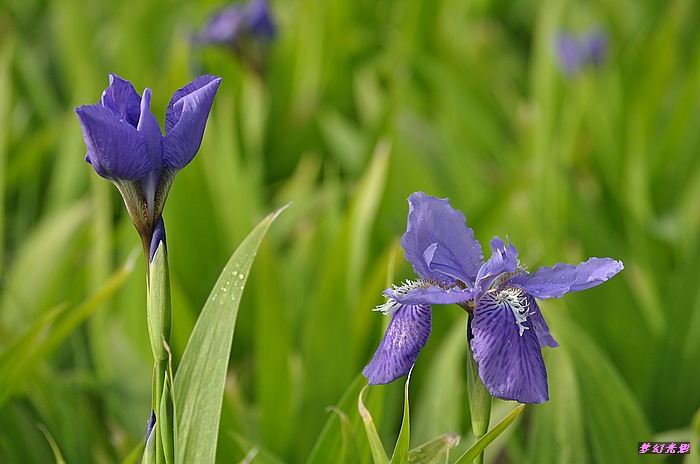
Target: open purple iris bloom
[(125, 144), (507, 329)]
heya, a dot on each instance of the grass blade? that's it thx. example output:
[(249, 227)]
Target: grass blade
[(199, 381), (435, 450), (403, 443), (19, 358), (378, 454), (480, 445)]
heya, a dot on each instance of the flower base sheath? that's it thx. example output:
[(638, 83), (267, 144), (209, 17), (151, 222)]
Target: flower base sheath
[(507, 327)]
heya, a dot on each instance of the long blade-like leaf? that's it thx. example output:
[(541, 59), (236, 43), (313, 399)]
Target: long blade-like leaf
[(480, 445), (435, 450), (403, 443), (378, 454), (200, 379), (21, 356)]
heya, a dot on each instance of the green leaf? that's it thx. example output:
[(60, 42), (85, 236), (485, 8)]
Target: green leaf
[(694, 457), (254, 453), (165, 417), (136, 452), (54, 446), (31, 282), (200, 379), (403, 443), (331, 438), (149, 454), (612, 410), (435, 450), (348, 450), (478, 447), (21, 356), (158, 308), (378, 454)]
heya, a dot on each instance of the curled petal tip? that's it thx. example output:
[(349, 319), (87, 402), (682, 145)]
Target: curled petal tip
[(157, 238)]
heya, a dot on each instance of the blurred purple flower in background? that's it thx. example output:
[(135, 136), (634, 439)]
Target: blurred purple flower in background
[(507, 327), (574, 52), (245, 29)]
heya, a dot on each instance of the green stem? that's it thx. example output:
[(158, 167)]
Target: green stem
[(479, 401), (159, 320)]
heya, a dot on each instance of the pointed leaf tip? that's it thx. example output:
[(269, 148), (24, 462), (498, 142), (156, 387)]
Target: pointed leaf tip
[(200, 380)]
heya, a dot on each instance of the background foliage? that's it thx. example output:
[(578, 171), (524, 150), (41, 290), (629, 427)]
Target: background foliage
[(361, 103)]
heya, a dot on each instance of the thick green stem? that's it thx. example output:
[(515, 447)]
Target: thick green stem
[(479, 401), (159, 319)]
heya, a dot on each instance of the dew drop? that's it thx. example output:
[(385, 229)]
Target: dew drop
[(240, 276)]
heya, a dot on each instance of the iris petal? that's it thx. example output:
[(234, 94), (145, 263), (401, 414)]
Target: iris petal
[(433, 223), (114, 148), (509, 358), (539, 325), (432, 295), (407, 333), (148, 126), (185, 120), (554, 282), (504, 259), (122, 98)]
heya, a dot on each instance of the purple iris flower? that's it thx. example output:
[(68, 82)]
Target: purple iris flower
[(244, 29), (125, 144), (507, 327), (575, 52)]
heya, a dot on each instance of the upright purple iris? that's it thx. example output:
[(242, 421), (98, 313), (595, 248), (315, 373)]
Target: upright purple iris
[(507, 329), (125, 144)]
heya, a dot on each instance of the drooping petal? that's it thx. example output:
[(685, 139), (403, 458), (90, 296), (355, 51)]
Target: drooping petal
[(553, 282), (539, 325), (507, 352), (438, 242), (504, 259), (122, 98), (185, 120), (115, 149), (407, 333), (432, 295)]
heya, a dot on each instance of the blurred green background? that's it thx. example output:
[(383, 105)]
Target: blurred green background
[(361, 103)]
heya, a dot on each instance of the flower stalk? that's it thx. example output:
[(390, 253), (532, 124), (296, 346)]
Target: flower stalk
[(480, 400), (158, 311)]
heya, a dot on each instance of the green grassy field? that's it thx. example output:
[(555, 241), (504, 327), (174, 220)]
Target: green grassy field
[(360, 104)]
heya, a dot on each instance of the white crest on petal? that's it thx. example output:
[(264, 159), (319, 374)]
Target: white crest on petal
[(392, 305), (515, 299)]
